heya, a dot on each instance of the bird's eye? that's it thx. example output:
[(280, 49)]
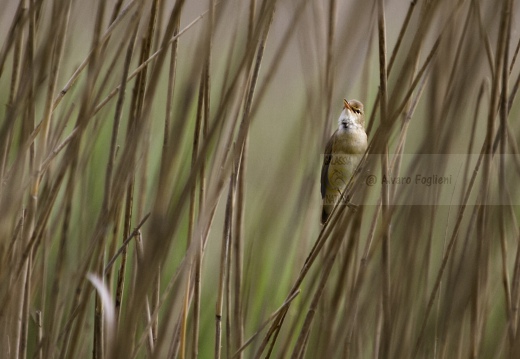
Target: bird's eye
[(356, 110)]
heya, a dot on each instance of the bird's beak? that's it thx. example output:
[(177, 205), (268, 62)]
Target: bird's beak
[(347, 105)]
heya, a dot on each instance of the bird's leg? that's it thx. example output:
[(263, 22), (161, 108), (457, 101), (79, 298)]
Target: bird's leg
[(346, 201)]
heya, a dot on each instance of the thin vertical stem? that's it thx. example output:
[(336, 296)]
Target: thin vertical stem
[(504, 112), (329, 69), (385, 202), (224, 258)]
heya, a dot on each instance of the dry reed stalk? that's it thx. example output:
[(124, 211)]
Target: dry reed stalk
[(385, 200)]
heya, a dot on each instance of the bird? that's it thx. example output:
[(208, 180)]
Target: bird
[(343, 153)]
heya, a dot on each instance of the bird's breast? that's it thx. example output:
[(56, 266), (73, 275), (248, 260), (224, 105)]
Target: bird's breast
[(347, 150), (350, 142)]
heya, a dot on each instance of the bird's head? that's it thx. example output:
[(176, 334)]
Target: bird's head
[(352, 117)]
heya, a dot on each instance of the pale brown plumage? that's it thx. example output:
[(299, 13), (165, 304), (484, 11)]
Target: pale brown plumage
[(342, 154)]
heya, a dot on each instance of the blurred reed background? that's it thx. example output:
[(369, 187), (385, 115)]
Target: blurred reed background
[(160, 163)]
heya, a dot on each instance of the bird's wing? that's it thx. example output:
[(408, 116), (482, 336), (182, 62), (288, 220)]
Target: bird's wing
[(327, 157)]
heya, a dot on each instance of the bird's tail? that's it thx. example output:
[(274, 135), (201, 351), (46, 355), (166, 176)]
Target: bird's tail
[(324, 214)]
